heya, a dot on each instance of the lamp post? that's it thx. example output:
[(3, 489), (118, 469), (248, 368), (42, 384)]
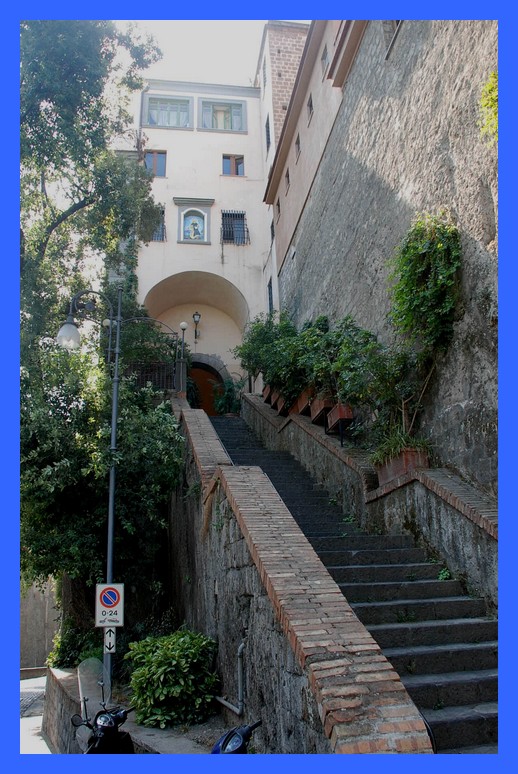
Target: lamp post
[(196, 318), (68, 337)]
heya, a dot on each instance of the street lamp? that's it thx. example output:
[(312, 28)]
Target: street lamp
[(196, 317), (68, 337)]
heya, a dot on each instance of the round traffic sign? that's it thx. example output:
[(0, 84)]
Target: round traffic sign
[(109, 597)]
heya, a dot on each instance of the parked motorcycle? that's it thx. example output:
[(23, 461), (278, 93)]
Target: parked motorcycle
[(236, 740), (98, 726)]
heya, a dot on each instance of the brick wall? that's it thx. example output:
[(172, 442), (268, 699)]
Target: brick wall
[(246, 574), (286, 45)]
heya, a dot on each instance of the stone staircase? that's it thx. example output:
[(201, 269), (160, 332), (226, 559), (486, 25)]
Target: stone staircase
[(440, 640)]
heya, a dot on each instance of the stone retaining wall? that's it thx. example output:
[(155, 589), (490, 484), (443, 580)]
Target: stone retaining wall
[(246, 574)]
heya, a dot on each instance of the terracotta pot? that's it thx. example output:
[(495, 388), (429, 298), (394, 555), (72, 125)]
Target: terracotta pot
[(303, 402), (267, 392), (319, 409), (407, 460), (340, 411), (274, 397)]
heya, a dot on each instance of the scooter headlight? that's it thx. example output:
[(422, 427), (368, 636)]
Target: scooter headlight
[(105, 721)]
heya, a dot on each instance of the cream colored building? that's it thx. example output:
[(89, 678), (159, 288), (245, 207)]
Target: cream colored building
[(210, 147)]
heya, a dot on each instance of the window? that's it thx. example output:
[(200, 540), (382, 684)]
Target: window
[(170, 112), (390, 31), (264, 71), (272, 231), (193, 220), (155, 162), (270, 296), (234, 165), (222, 116), (287, 179), (159, 232), (297, 146), (278, 208), (324, 61), (267, 131), (233, 228), (310, 108)]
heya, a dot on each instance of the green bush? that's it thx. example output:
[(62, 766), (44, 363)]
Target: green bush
[(488, 106), (227, 396), (172, 680), (425, 277), (72, 645)]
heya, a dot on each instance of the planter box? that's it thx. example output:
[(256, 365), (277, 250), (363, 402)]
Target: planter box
[(282, 409), (274, 397), (339, 412), (267, 393), (303, 403), (319, 409), (407, 460)]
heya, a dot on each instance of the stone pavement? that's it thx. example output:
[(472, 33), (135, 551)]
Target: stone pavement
[(171, 741), (32, 696)]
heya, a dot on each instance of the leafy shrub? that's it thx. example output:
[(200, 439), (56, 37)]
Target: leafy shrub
[(227, 396), (488, 106), (72, 645), (424, 275), (172, 679)]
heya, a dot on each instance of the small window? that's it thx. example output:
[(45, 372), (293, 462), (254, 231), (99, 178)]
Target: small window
[(278, 208), (155, 162), (223, 116), (234, 165), (264, 71), (169, 112), (390, 31), (310, 108), (324, 60), (233, 228), (267, 131), (159, 232), (287, 179), (297, 146), (272, 231), (270, 296)]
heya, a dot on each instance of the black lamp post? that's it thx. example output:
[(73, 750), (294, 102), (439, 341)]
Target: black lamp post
[(68, 337)]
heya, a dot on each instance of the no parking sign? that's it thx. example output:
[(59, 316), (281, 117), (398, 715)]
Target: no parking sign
[(109, 604)]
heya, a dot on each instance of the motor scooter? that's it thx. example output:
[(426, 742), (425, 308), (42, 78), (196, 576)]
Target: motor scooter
[(236, 740), (98, 726)]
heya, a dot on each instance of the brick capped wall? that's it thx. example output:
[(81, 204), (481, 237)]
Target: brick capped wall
[(246, 574)]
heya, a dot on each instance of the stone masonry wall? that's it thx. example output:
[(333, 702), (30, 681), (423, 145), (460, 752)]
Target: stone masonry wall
[(406, 140), (246, 574), (286, 45), (440, 510)]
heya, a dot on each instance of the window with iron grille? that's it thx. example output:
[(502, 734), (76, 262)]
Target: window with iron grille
[(270, 296), (233, 228), (159, 232), (267, 129)]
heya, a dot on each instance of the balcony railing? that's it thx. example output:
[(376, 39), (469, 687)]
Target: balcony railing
[(162, 376)]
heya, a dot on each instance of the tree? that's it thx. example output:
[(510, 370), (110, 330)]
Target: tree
[(82, 200)]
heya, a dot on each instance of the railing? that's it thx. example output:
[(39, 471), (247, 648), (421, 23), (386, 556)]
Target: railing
[(161, 375)]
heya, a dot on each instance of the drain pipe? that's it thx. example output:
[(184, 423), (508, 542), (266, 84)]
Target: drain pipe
[(240, 692)]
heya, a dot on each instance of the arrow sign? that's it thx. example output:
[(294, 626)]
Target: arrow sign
[(109, 640)]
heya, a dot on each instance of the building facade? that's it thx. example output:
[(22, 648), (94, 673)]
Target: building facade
[(383, 124)]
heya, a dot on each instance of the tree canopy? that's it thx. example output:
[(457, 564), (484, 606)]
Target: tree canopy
[(85, 208)]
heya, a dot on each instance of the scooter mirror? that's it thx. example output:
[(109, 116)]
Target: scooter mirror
[(77, 721)]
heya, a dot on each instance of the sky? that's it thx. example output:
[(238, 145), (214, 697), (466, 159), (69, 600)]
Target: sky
[(213, 51)]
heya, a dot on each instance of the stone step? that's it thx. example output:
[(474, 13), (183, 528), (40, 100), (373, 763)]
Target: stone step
[(450, 657), (409, 610), (378, 573), (355, 539), (382, 592), (380, 555), (474, 724), (451, 630), (435, 691)]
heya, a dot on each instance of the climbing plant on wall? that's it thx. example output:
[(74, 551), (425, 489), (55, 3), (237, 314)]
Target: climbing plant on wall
[(488, 105), (424, 281)]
